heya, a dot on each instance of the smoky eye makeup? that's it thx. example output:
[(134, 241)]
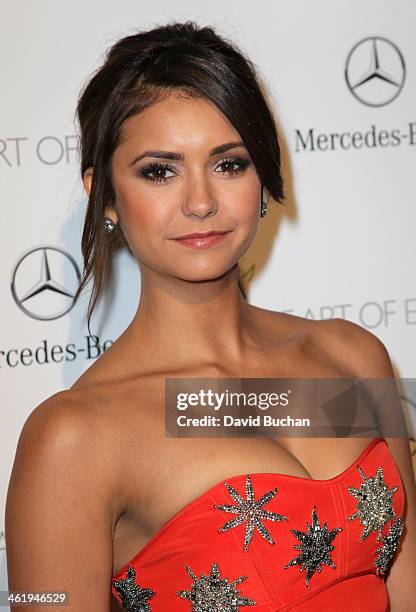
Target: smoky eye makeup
[(241, 162), (155, 172)]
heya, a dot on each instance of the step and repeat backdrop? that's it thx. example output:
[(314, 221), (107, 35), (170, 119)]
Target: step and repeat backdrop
[(342, 80)]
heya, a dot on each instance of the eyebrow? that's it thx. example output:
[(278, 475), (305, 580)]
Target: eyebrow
[(180, 156)]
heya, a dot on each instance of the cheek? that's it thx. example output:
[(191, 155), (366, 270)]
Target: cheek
[(144, 222), (246, 202), (247, 213), (141, 215), (136, 215)]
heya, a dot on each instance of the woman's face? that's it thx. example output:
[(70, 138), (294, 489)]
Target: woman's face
[(169, 182)]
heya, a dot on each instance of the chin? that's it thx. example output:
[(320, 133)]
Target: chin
[(210, 274)]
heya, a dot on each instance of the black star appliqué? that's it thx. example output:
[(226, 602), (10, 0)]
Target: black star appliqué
[(250, 511), (374, 503), (133, 597), (213, 593), (315, 546), (390, 544)]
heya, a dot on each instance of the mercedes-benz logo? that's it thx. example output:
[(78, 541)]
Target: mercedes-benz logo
[(44, 281), (375, 71)]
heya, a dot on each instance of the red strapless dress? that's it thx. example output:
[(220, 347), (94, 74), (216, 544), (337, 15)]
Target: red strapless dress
[(276, 542)]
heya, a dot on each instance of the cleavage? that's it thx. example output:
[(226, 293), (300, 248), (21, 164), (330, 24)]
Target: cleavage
[(188, 475)]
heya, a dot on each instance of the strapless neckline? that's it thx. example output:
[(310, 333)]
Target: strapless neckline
[(308, 481)]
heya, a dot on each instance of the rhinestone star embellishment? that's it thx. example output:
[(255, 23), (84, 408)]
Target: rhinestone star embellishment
[(133, 597), (315, 546), (390, 544), (250, 511), (213, 593), (374, 503)]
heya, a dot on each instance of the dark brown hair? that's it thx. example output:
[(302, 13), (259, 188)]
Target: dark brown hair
[(138, 71)]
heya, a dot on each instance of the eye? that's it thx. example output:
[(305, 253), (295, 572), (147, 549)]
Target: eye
[(158, 169), (230, 164)]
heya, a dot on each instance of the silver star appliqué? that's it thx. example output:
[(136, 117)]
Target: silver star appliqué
[(213, 593), (250, 511), (390, 544), (374, 503), (133, 598), (315, 546)]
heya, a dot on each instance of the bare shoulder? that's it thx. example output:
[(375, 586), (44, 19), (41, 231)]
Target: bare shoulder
[(69, 419), (354, 348), (72, 434), (364, 353), (281, 321), (350, 346), (58, 414), (53, 425), (62, 503)]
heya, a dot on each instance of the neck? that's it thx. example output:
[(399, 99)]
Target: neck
[(190, 322)]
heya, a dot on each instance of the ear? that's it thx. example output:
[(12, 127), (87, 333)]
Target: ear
[(87, 179), (266, 195)]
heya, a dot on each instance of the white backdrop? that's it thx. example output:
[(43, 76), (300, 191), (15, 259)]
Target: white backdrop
[(344, 244)]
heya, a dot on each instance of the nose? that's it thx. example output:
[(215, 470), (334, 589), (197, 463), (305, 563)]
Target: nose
[(200, 200)]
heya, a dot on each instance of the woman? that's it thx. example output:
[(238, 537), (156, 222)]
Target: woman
[(177, 139)]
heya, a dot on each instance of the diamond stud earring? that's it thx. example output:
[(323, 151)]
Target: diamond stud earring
[(109, 225)]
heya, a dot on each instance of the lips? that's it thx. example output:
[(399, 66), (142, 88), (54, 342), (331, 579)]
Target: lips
[(201, 234), (202, 240)]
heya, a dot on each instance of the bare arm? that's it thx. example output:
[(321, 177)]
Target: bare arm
[(58, 513), (367, 357)]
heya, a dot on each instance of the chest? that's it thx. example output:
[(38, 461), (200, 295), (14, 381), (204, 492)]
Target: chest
[(162, 474)]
